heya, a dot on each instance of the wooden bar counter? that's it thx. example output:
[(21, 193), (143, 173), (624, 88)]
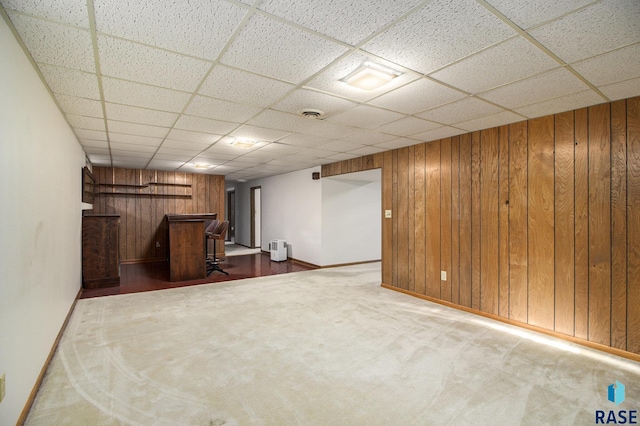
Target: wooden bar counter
[(187, 250)]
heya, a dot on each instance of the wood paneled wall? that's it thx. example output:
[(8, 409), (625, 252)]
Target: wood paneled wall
[(536, 222), (142, 221)]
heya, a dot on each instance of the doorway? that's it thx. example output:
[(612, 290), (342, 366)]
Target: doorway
[(256, 217), (231, 215)]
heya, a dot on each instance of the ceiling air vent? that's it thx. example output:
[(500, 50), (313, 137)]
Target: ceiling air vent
[(315, 114)]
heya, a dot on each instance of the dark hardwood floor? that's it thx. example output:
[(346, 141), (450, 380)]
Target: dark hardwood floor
[(139, 277)]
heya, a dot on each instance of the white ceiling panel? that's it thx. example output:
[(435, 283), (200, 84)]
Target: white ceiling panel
[(439, 133), (89, 123), (442, 32), (599, 28), (244, 87), (408, 126), (464, 109), (271, 48), (137, 129), (258, 133), (79, 106), (611, 67), (564, 103), (493, 120), (205, 125), (71, 12), (329, 79), (365, 17), (56, 44), (622, 90), (142, 95), (303, 99), (504, 63), (188, 136), (198, 27), (181, 79), (536, 89), (366, 117), (217, 109), (418, 96), (136, 62), (139, 115), (70, 82), (526, 14)]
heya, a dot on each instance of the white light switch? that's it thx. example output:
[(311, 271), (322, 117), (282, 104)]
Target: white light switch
[(443, 275), (387, 214)]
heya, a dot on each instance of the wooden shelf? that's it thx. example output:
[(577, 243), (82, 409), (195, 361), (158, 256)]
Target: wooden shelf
[(149, 189)]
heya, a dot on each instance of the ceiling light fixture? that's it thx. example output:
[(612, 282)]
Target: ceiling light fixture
[(201, 166), (243, 143), (370, 76)]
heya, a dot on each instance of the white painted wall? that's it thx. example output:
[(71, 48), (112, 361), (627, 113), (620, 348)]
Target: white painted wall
[(325, 222), (351, 218), (40, 224), (291, 211)]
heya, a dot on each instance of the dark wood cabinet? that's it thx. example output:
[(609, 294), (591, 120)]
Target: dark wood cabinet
[(100, 257)]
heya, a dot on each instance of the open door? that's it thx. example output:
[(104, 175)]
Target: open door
[(256, 218)]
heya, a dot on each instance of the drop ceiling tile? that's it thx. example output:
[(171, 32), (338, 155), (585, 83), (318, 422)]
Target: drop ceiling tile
[(89, 123), (304, 140), (205, 125), (70, 82), (311, 153), (244, 87), (55, 44), (188, 136), (612, 67), (71, 12), (91, 134), (258, 133), (259, 156), (464, 109), (408, 126), (366, 117), (216, 157), (526, 14), (599, 28), (397, 143), (137, 129), (303, 99), (504, 63), (126, 163), (548, 85), (281, 149), (489, 121), (417, 96), (198, 27), (367, 151), (132, 61), (147, 149), (217, 109), (364, 17), (564, 103), (94, 143), (294, 55), (101, 152), (135, 140), (142, 95), (173, 156), (283, 121), (622, 90), (79, 106), (223, 146), (367, 137), (342, 156), (164, 165), (139, 115), (442, 32), (141, 156), (181, 148), (341, 146), (439, 133), (329, 79)]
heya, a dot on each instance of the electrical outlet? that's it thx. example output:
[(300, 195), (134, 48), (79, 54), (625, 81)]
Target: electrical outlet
[(387, 214), (3, 389), (443, 275)]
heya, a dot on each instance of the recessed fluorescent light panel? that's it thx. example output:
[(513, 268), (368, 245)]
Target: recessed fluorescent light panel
[(243, 143), (201, 166), (370, 76)]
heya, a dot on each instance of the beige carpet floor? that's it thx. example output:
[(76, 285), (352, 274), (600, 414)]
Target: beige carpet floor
[(321, 347), (231, 249)]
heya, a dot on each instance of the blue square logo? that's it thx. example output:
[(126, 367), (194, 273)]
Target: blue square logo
[(616, 393)]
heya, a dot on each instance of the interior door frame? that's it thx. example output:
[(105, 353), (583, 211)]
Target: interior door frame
[(253, 215), (231, 210)]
